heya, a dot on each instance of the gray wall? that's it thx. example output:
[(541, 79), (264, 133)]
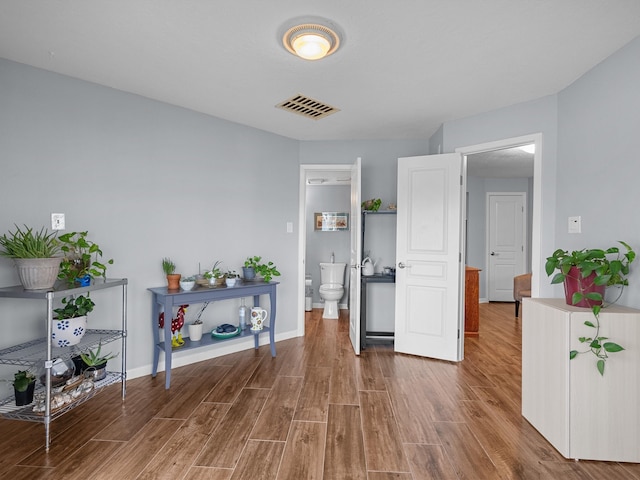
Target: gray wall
[(598, 166), (538, 116), (147, 180)]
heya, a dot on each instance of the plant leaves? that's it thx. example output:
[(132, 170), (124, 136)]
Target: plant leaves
[(589, 324), (612, 347), (600, 366), (573, 354)]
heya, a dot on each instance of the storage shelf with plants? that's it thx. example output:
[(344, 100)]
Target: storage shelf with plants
[(67, 291)]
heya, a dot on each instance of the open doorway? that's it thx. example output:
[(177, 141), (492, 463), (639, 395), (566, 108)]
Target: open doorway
[(508, 167)]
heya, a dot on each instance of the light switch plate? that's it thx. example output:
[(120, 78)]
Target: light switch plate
[(57, 221), (575, 224)]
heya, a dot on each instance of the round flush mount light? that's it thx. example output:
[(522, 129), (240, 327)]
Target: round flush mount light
[(311, 40)]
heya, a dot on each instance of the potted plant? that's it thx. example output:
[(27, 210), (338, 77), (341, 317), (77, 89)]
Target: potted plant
[(24, 383), (169, 269), (70, 320), (231, 277), (265, 270), (585, 274), (249, 267), (187, 283), (34, 254), (95, 363), (82, 259), (215, 275)]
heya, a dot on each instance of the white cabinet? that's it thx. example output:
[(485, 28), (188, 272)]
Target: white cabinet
[(582, 414)]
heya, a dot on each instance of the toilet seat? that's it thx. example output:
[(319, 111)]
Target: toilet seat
[(331, 288)]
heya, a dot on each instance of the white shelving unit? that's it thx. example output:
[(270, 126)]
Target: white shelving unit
[(32, 353)]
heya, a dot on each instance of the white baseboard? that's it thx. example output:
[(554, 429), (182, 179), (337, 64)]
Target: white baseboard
[(180, 359)]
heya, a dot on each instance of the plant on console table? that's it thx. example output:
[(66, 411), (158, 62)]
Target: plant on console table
[(586, 274), (266, 270), (215, 276), (169, 269)]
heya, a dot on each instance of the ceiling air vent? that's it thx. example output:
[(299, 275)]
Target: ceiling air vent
[(307, 107)]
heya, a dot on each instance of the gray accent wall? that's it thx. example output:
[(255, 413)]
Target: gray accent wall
[(598, 173), (147, 180)]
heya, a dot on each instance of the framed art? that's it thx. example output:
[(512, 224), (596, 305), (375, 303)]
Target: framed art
[(331, 221)]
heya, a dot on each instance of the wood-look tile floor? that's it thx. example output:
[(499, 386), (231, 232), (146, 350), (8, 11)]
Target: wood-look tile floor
[(316, 411)]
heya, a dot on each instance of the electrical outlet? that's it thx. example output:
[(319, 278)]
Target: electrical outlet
[(289, 227), (57, 221)]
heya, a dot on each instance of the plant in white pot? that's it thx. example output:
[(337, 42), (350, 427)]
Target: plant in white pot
[(70, 320), (34, 254), (586, 274)]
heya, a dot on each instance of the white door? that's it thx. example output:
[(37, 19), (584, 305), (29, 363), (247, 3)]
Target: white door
[(428, 316), (355, 257), (507, 234)]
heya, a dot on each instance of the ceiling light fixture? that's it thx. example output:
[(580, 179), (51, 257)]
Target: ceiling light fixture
[(312, 39)]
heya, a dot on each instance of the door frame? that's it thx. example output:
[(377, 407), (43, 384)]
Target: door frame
[(305, 171), (488, 230), (536, 222)]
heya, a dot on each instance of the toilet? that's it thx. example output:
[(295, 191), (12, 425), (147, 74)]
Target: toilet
[(331, 287)]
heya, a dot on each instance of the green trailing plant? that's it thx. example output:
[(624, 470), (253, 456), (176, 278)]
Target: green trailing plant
[(95, 358), (74, 307), (610, 268), (168, 267), (22, 379), (266, 270), (27, 243), (252, 262), (82, 258)]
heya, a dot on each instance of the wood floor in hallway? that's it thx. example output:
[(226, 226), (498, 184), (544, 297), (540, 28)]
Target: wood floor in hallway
[(316, 411)]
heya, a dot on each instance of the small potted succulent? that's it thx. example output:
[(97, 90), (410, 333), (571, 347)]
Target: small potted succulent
[(187, 283), (34, 254), (24, 384), (231, 278), (95, 363), (169, 269)]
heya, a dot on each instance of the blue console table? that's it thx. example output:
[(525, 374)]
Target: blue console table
[(170, 298)]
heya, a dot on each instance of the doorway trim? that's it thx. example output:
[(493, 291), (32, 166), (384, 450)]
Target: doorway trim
[(536, 226), (305, 171)]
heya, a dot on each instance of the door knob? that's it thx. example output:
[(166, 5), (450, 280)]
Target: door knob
[(493, 253), (401, 265)]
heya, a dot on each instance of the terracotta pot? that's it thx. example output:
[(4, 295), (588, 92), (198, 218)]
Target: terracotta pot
[(575, 283), (173, 281)]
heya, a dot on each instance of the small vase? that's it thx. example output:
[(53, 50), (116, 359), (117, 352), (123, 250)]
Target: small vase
[(173, 281), (195, 332)]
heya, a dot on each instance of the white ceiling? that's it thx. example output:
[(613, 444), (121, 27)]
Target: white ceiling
[(403, 69)]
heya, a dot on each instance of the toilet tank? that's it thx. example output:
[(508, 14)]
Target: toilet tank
[(332, 273)]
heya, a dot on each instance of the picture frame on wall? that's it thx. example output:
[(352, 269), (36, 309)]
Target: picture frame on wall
[(331, 221)]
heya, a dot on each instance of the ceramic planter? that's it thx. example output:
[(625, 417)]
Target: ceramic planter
[(37, 273), (68, 331), (195, 332), (575, 283)]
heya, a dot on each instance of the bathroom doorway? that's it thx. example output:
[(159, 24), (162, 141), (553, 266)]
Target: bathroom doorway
[(324, 188)]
